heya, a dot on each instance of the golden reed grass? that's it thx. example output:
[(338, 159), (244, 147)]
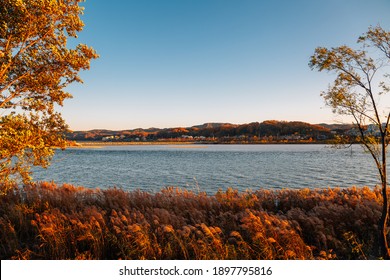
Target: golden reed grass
[(44, 221)]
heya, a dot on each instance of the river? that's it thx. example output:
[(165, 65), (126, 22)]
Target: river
[(211, 167)]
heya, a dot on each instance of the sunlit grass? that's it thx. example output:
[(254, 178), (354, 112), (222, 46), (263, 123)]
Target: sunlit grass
[(48, 222)]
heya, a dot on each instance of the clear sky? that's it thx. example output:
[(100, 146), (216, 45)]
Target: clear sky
[(168, 63)]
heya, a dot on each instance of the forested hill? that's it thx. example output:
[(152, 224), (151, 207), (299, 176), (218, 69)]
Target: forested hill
[(271, 129)]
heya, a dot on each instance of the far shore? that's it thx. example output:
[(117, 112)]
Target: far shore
[(98, 144)]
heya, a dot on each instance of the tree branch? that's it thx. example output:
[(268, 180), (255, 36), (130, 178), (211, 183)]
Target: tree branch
[(369, 148), (387, 125), (11, 96), (358, 81)]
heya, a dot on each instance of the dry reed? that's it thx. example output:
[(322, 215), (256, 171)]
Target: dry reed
[(44, 221)]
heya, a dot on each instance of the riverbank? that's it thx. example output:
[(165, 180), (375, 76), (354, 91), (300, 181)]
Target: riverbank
[(97, 144), (46, 221)]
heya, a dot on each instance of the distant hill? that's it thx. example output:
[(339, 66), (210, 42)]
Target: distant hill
[(211, 125), (270, 129), (341, 127)]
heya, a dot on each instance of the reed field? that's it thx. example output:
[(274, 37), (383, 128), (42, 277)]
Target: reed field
[(45, 221)]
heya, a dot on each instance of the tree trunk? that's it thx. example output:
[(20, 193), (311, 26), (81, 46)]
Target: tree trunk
[(385, 250)]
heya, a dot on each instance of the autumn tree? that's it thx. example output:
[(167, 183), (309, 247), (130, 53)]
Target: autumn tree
[(36, 66), (360, 84)]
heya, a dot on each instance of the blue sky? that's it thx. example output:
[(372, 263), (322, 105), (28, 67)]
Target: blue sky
[(168, 63)]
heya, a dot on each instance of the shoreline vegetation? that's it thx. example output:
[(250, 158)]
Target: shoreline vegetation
[(46, 221), (99, 144)]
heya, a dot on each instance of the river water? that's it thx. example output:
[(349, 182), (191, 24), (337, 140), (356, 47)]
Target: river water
[(212, 167)]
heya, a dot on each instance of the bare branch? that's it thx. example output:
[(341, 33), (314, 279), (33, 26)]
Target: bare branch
[(386, 131)]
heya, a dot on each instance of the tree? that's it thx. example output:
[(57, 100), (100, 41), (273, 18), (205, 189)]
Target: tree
[(36, 66), (356, 92)]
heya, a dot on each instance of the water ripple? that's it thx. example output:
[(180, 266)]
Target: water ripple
[(211, 167)]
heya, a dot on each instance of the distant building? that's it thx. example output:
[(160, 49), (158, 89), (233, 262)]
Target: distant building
[(108, 138), (291, 137), (373, 129)]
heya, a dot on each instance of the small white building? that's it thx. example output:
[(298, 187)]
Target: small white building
[(108, 138)]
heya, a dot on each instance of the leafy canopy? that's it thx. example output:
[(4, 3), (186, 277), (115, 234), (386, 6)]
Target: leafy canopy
[(357, 89), (36, 66)]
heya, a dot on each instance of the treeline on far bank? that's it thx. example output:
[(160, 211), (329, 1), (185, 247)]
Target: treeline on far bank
[(44, 221), (267, 131)]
